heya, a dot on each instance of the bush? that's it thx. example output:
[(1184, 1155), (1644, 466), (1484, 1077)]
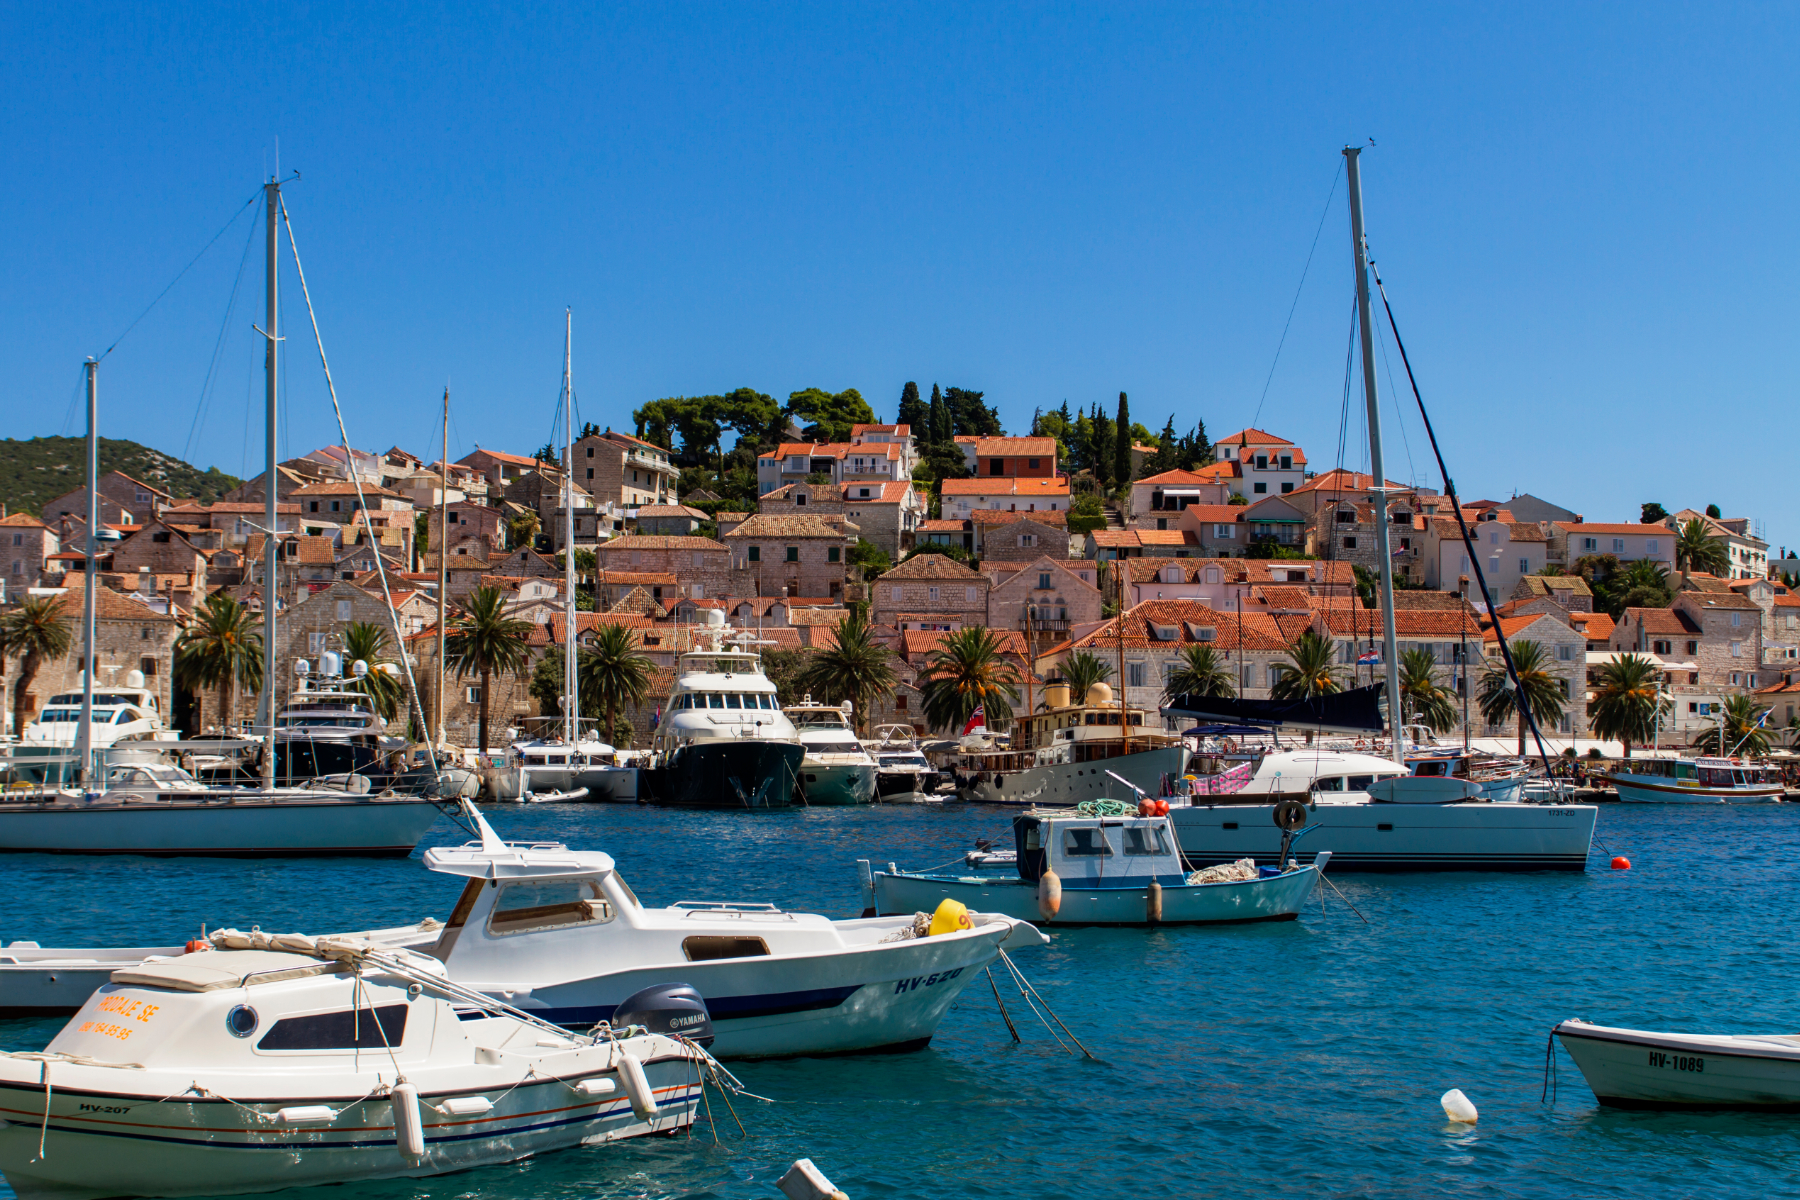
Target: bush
[(872, 559), (1086, 525)]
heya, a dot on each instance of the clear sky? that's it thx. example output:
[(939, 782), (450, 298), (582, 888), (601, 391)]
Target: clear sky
[(1584, 214)]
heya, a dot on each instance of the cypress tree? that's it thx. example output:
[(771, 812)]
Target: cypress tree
[(1122, 443), (913, 411), (940, 417)]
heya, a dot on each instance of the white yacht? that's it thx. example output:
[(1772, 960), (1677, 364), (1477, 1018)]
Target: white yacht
[(123, 717), (901, 768), (836, 768), (1061, 755), (549, 763), (724, 741)]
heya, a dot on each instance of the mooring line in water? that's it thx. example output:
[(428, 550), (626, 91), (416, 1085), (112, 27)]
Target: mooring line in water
[(1549, 1068), (1344, 898), (1004, 1015), (1025, 984)]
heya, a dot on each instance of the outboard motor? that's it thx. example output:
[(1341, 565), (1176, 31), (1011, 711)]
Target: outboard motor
[(675, 1009)]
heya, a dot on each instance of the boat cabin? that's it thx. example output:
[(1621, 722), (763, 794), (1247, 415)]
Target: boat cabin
[(1706, 772), (1098, 852)]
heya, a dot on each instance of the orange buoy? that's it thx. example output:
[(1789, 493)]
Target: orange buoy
[(1049, 896), (1146, 808), (1621, 863), (1162, 808)]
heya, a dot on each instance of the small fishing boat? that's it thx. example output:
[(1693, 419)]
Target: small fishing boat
[(1085, 868), (296, 1062), (559, 934), (1635, 1068), (1696, 781), (836, 768)]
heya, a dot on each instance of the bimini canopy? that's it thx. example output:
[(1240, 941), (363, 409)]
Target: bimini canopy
[(1358, 710), (516, 860), (1226, 731)]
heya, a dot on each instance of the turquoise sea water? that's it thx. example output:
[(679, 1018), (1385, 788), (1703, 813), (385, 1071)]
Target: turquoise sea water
[(1298, 1059)]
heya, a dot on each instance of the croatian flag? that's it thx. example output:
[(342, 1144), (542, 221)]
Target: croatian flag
[(1369, 658), (978, 717)]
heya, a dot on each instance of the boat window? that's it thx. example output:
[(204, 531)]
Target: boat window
[(1086, 843), (1430, 768), (1358, 783), (1714, 777), (714, 700), (768, 702), (733, 700), (1684, 770), (351, 1029), (1143, 840), (1334, 784), (548, 904), (706, 948)]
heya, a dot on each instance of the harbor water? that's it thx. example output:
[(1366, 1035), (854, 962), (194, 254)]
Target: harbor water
[(1303, 1058)]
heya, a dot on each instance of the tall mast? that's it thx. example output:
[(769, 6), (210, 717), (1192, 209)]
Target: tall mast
[(1124, 712), (443, 549), (572, 688), (1379, 484), (85, 735), (266, 703)]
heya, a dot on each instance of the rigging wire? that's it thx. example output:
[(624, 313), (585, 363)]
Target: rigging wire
[(212, 367), (209, 245), (1412, 470), (1329, 197)]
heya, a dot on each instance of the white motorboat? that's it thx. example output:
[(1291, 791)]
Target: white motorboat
[(552, 765), (1636, 1068), (1102, 870), (836, 769), (902, 771), (162, 810), (1696, 781), (1060, 756), (125, 719), (1495, 778), (1424, 831), (44, 981), (559, 934), (307, 1062)]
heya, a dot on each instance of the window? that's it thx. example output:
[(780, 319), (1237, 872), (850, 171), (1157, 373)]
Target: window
[(1134, 674), (1618, 545), (793, 554), (315, 643), (590, 470), (343, 610), (1031, 464), (1661, 647), (834, 554), (1524, 566), (159, 536), (18, 539), (590, 454), (1590, 543), (971, 595), (1736, 619), (897, 594), (756, 554), (1144, 840), (1027, 540), (1043, 581), (1260, 488), (1565, 654), (1086, 843), (1349, 543), (1287, 462), (1693, 647), (996, 466), (1650, 547), (1262, 462), (548, 904), (148, 666), (367, 1029), (799, 499), (1737, 651), (932, 594), (865, 494), (472, 693), (1286, 488), (1225, 533), (335, 506)]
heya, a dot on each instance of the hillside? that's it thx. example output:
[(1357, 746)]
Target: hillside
[(35, 471)]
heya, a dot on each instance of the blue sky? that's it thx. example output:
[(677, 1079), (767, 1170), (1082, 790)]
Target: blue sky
[(1584, 215)]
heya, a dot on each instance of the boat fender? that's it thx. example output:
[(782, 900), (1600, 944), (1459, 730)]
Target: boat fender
[(194, 947), (1049, 895), (1621, 863), (409, 1130), (804, 1181), (637, 1087), (1146, 808), (951, 916), (1290, 815), (1162, 808), (1457, 1107), (1153, 902)]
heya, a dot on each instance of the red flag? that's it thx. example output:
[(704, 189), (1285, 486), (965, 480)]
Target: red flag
[(978, 717)]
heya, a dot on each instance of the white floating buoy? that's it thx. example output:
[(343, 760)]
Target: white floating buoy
[(1457, 1107), (409, 1131), (804, 1181), (637, 1086)]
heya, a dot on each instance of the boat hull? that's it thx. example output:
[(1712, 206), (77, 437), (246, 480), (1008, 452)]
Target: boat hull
[(1277, 898), (222, 826), (1398, 837), (746, 774), (1631, 1068), (1064, 785), (1661, 791), (609, 785), (849, 783), (100, 1143), (867, 999)]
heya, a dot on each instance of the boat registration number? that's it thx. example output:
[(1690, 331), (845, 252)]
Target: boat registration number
[(1677, 1062), (932, 980)]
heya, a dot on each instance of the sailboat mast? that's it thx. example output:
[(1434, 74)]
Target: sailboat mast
[(443, 550), (266, 703), (85, 735), (572, 688), (1389, 656)]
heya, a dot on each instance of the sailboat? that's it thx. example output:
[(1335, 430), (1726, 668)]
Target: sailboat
[(1371, 814)]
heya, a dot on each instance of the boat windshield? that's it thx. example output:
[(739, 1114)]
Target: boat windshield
[(818, 718), (287, 721), (762, 701)]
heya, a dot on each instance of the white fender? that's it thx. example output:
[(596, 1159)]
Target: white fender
[(1049, 894), (1153, 902), (409, 1130), (637, 1086)]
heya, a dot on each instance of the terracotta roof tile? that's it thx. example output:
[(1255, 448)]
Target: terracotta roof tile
[(670, 510), (1042, 447), (1660, 620), (1253, 437), (1006, 485), (1231, 631), (893, 492), (1638, 530), (767, 525), (931, 566), (646, 541)]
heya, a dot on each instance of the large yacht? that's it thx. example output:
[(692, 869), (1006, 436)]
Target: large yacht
[(724, 741), (1068, 753), (836, 769), (327, 729), (123, 716)]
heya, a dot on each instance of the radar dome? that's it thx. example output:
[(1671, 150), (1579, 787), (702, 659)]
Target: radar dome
[(1100, 695)]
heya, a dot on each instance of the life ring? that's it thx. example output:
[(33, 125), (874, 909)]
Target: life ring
[(1361, 745)]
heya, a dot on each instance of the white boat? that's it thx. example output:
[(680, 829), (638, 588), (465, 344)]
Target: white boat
[(44, 981), (1635, 1068), (551, 764), (1696, 781), (559, 934), (1406, 830), (1495, 778), (127, 718), (836, 769), (902, 772), (1100, 870), (310, 1062), (162, 810), (723, 741), (1060, 756)]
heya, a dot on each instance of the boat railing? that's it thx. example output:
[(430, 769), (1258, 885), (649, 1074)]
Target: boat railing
[(695, 908)]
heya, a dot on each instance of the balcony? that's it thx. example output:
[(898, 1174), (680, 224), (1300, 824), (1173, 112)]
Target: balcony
[(642, 459)]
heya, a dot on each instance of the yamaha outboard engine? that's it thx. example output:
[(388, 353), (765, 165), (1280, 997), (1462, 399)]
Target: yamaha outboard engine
[(675, 1009)]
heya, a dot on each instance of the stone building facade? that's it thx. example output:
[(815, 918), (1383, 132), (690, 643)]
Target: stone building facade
[(790, 556), (1059, 594), (26, 543), (702, 565), (930, 583), (128, 636)]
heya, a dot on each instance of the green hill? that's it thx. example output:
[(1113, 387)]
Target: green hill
[(35, 471)]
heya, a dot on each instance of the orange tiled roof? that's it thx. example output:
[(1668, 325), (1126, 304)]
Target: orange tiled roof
[(1042, 447), (1231, 631), (1253, 437), (1006, 485)]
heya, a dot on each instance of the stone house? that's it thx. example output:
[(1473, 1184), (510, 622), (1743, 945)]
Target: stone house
[(677, 519), (1058, 594), (1747, 554), (1218, 529), (1010, 537), (466, 520), (122, 501), (498, 468), (163, 551), (789, 556), (1013, 493), (128, 636), (1570, 591), (1567, 651), (1780, 621), (626, 472), (888, 514), (1266, 465), (1709, 646), (236, 523), (940, 532), (1568, 541), (1509, 551), (1345, 528), (822, 500), (26, 544), (930, 583), (1230, 584), (251, 491), (702, 565), (1158, 501), (335, 502), (1152, 637)]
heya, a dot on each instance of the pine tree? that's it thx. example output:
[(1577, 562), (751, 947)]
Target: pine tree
[(1122, 443), (1037, 422), (913, 411)]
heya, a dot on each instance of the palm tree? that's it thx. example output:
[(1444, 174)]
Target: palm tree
[(1200, 672), (614, 672), (1082, 671), (36, 634), (1746, 730), (857, 668), (1544, 695), (1309, 671), (1696, 549), (484, 641), (966, 672), (368, 642), (1424, 699), (222, 648), (1626, 700)]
